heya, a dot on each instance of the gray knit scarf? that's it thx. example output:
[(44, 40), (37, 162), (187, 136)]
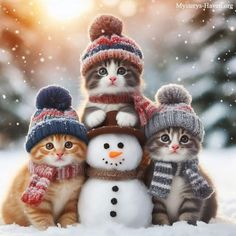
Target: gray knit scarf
[(165, 171)]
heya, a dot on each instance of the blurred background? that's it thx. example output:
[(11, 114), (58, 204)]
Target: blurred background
[(41, 42)]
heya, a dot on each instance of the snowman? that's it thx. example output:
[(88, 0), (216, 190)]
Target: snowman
[(112, 192)]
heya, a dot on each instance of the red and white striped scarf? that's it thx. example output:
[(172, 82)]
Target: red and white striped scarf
[(143, 106), (41, 177)]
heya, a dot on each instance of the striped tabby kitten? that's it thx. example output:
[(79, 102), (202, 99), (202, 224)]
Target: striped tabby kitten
[(176, 145), (59, 204), (115, 78)]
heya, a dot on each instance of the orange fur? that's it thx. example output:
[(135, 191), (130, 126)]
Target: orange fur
[(59, 205)]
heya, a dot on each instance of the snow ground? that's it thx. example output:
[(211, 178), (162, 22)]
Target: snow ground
[(220, 164)]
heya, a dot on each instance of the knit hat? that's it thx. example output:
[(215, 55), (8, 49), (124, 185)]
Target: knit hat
[(54, 115), (174, 110), (107, 42)]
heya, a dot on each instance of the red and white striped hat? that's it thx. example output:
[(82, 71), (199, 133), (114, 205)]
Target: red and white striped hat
[(107, 42)]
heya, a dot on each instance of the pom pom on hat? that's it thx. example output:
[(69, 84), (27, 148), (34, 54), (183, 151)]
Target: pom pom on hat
[(174, 110), (107, 42), (173, 94), (105, 25), (53, 97), (54, 115)]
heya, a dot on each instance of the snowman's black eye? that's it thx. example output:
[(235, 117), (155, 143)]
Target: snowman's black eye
[(106, 145), (120, 145)]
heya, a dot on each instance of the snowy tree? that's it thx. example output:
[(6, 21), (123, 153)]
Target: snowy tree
[(200, 53), (14, 106), (14, 89)]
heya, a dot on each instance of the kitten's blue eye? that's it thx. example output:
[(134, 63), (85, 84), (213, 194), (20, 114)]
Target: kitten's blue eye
[(68, 145), (165, 138), (121, 71), (49, 146), (184, 139), (102, 71)]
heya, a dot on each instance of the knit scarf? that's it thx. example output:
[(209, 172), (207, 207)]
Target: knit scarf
[(143, 106), (111, 174), (41, 177), (165, 171)]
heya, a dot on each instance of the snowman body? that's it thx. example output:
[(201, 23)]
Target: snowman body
[(125, 202)]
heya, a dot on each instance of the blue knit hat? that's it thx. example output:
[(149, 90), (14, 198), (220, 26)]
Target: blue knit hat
[(54, 115)]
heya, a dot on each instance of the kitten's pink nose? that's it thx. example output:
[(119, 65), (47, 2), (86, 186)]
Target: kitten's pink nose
[(175, 147), (113, 79), (60, 154)]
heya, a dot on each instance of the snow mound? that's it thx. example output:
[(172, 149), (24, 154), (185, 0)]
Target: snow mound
[(220, 165), (178, 229)]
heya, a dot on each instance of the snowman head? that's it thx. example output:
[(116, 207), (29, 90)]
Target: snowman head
[(114, 152)]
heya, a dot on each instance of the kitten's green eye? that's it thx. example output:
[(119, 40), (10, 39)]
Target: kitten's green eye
[(68, 145), (184, 139), (102, 71), (49, 146), (121, 71), (165, 138)]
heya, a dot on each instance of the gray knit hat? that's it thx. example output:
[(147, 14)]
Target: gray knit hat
[(174, 110)]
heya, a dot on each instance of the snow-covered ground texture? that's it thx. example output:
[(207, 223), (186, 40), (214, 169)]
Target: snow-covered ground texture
[(220, 164)]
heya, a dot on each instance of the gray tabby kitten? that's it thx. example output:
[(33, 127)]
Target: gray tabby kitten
[(176, 145), (111, 77)]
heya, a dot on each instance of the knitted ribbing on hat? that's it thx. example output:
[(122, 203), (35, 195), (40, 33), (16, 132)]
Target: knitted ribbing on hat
[(174, 110), (54, 115), (107, 42), (165, 171), (41, 177)]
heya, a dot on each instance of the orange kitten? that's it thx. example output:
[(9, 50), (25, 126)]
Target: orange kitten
[(59, 202)]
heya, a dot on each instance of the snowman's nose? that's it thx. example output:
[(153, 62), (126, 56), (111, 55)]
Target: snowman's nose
[(114, 154)]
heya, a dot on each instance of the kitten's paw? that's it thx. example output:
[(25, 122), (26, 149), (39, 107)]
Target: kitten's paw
[(43, 225), (160, 219), (66, 222), (126, 119), (190, 218), (95, 118)]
